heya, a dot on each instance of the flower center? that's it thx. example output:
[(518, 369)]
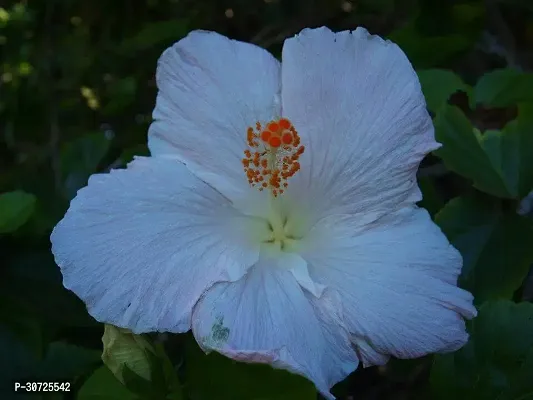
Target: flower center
[(280, 237), (272, 156)]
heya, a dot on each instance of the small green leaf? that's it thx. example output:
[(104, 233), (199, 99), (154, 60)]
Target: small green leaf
[(15, 209), (214, 376), (102, 385), (138, 364), (504, 87), (498, 162), (495, 244), (125, 349), (497, 362), (438, 85)]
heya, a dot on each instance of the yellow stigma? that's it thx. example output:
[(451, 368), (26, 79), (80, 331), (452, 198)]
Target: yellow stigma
[(272, 156)]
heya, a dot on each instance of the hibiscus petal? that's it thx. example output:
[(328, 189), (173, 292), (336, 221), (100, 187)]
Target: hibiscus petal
[(211, 89), (141, 245), (397, 282), (266, 317), (357, 104)]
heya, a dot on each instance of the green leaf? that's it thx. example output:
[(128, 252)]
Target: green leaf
[(80, 159), (15, 210), (431, 199), (125, 349), (504, 87), (62, 361), (136, 363), (420, 48), (495, 244), (214, 376), (498, 162), (438, 85), (102, 385), (497, 362), (173, 383)]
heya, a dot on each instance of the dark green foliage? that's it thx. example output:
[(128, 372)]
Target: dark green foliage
[(497, 362)]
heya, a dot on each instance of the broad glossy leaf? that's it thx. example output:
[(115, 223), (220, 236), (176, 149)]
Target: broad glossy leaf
[(15, 209), (497, 362), (504, 87), (498, 162), (495, 244), (438, 85), (214, 376)]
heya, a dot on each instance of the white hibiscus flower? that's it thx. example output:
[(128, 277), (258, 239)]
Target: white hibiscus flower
[(276, 217)]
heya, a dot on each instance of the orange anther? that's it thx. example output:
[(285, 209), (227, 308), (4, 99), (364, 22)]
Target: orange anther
[(274, 141), (272, 155), (286, 138), (284, 123), (273, 127), (265, 135)]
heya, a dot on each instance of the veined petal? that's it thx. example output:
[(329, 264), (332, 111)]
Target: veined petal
[(211, 89), (397, 282), (266, 317), (139, 246), (357, 104)]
